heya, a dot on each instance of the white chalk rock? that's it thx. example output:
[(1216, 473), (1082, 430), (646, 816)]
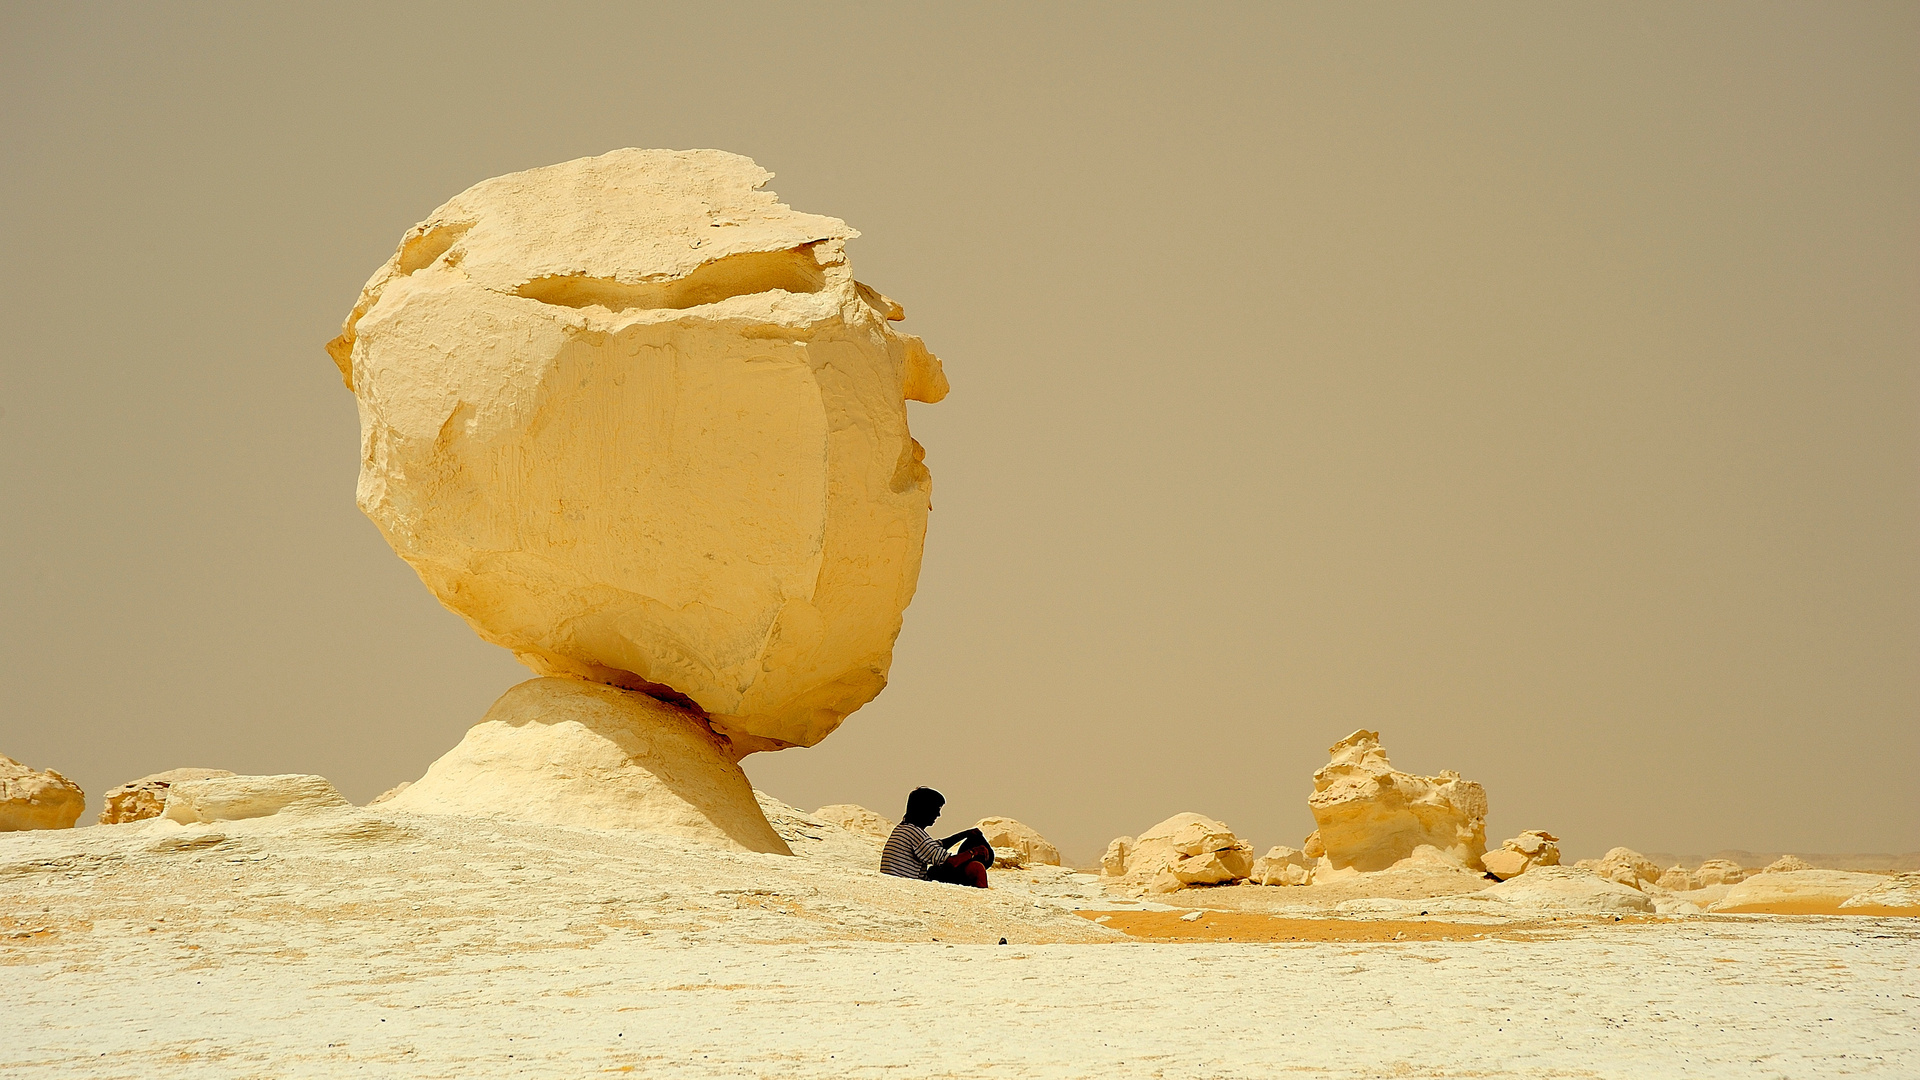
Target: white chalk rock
[(1006, 833), (1282, 866), (1677, 878), (1113, 862), (1893, 896), (1187, 849), (855, 818), (1786, 864), (1797, 892), (1567, 888), (138, 800), (1371, 815), (632, 418), (1625, 866), (238, 798), (565, 752), (1720, 872), (37, 799), (1522, 853)]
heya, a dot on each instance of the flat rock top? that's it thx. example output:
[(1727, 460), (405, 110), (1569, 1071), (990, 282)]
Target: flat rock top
[(630, 215)]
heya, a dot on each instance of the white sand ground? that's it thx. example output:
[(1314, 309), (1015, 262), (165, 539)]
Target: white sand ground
[(383, 944)]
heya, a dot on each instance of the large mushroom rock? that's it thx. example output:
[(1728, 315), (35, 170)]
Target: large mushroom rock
[(37, 799), (1186, 849), (1004, 833), (1371, 815), (1522, 853), (585, 755), (632, 417), (138, 800)]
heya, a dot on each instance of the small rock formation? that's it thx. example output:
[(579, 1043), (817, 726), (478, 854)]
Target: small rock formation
[(1522, 853), (1371, 815), (137, 800), (1113, 863), (1720, 872), (1004, 833), (388, 795), (1893, 896), (1677, 878), (566, 752), (1569, 888), (632, 418), (1797, 892), (237, 798), (31, 799), (1282, 866), (1623, 866), (855, 818), (1787, 864), (1186, 849)]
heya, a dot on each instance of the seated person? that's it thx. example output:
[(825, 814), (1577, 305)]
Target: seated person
[(912, 852)]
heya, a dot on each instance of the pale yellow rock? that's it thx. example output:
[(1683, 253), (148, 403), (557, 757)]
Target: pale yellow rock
[(137, 800), (1282, 866), (1797, 892), (632, 418), (1522, 853), (1371, 815), (388, 795), (1113, 862), (1787, 864), (1569, 888), (239, 798), (1677, 879), (855, 818), (1187, 849), (1625, 866), (1313, 846), (1893, 896), (1720, 872), (566, 752), (35, 799), (1005, 832)]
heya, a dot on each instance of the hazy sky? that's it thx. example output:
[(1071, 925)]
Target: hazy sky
[(1537, 384)]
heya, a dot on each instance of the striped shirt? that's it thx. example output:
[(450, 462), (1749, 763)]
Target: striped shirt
[(910, 852)]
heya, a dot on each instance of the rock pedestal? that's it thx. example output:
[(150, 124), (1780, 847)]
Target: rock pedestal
[(1371, 815), (586, 755)]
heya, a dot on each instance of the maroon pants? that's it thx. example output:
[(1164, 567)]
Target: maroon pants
[(968, 866)]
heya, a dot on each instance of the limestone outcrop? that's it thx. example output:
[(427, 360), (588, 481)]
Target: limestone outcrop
[(1720, 872), (1624, 866), (1282, 866), (1371, 815), (138, 800), (1569, 888), (239, 798), (37, 799), (856, 818), (1797, 892), (1898, 895), (1186, 849), (587, 755), (1006, 834), (1522, 853), (389, 794), (632, 417), (1113, 861), (1786, 864)]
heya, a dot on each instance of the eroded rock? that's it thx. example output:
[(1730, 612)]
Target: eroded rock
[(1282, 866), (1786, 864), (1522, 853), (37, 799), (138, 800), (632, 418), (1797, 892), (1569, 888), (1186, 849), (566, 752), (239, 798), (857, 819), (1006, 834), (1371, 815), (1624, 866)]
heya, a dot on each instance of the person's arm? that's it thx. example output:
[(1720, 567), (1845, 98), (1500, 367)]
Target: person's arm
[(979, 838)]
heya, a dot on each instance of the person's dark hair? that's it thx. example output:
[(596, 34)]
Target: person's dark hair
[(923, 806)]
